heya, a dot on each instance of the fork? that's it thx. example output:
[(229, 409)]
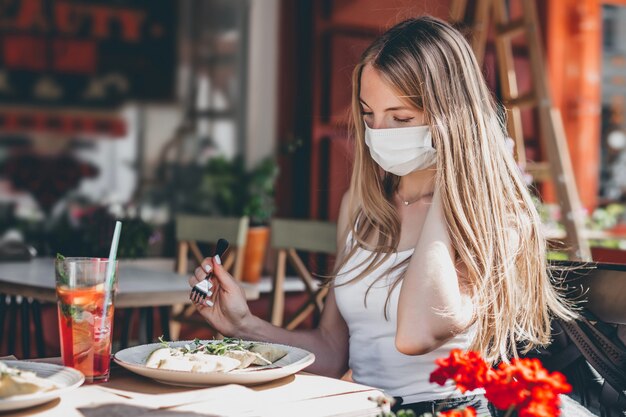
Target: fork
[(202, 289)]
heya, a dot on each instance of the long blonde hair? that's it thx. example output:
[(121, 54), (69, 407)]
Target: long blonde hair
[(493, 224)]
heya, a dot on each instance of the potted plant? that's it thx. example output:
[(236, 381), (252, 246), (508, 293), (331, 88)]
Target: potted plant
[(259, 208), (227, 188)]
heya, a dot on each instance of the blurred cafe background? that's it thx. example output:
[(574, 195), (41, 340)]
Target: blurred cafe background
[(145, 110)]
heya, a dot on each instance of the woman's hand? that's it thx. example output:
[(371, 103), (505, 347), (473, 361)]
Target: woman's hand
[(229, 311)]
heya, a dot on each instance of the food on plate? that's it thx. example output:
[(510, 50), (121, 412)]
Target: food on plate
[(214, 356), (174, 360), (17, 382), (269, 353)]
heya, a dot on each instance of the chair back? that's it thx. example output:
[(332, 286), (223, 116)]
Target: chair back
[(602, 286), (191, 229), (591, 351), (211, 229), (288, 237), (304, 235)]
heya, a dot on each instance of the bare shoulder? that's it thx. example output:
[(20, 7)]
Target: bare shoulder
[(347, 210), (343, 222)]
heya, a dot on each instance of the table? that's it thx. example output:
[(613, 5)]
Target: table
[(127, 394), (302, 395), (139, 287)]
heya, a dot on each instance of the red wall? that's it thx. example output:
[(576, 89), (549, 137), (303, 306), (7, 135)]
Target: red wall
[(573, 49)]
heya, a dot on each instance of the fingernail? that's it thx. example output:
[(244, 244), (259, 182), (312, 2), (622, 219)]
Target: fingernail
[(207, 268), (209, 284), (218, 260), (209, 303)]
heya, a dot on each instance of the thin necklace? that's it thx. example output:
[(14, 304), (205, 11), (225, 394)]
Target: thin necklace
[(414, 200)]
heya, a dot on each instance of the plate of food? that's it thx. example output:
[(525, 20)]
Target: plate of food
[(26, 384), (214, 362)]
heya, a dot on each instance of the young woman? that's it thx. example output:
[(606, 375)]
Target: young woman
[(440, 246)]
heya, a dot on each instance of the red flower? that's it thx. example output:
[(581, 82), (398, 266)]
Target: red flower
[(523, 384), (465, 412), (467, 369), (540, 403), (526, 385)]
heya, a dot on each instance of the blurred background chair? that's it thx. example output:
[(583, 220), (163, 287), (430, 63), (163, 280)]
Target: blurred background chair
[(287, 238), (26, 312), (192, 230)]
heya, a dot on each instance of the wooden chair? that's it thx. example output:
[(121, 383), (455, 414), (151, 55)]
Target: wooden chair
[(193, 229), (288, 237)]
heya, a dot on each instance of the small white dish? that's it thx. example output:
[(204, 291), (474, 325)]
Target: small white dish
[(134, 360), (66, 379)]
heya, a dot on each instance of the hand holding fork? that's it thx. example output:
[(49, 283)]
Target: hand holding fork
[(202, 289)]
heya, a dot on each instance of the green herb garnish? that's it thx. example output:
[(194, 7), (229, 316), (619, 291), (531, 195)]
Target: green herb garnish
[(220, 347), (71, 311), (215, 347), (63, 278), (163, 342)]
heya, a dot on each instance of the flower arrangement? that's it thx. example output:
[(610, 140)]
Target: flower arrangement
[(522, 386)]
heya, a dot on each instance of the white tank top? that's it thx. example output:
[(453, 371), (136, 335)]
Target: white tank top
[(374, 359)]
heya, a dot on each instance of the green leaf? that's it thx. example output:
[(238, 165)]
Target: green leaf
[(71, 311), (163, 342), (63, 278)]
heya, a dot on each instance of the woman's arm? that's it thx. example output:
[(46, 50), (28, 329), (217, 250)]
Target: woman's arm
[(329, 341), (432, 308), (230, 316)]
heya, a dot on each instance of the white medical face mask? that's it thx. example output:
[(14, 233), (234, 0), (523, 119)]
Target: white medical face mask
[(402, 150)]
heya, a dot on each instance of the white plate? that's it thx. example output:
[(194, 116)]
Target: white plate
[(134, 359), (66, 379)]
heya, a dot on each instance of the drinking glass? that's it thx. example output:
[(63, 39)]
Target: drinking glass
[(85, 322)]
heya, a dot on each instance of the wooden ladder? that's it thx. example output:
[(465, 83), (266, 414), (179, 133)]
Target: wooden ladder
[(558, 167)]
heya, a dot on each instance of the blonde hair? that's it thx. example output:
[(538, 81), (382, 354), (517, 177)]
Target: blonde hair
[(494, 226)]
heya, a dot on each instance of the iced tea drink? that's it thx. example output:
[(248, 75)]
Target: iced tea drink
[(85, 323)]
